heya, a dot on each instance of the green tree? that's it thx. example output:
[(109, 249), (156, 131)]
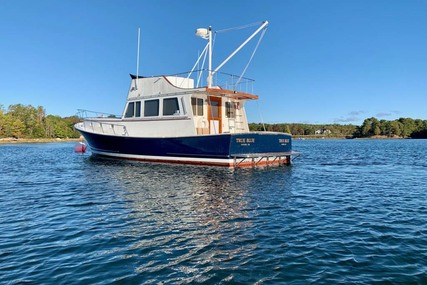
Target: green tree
[(31, 117), (29, 122), (408, 125), (396, 128), (385, 128), (365, 129), (57, 127), (376, 127), (2, 121), (18, 128)]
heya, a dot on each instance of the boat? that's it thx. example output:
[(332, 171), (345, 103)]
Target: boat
[(179, 119)]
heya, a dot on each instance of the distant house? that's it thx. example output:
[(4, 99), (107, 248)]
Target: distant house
[(323, 132)]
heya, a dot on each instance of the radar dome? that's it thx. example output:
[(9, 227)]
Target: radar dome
[(202, 32)]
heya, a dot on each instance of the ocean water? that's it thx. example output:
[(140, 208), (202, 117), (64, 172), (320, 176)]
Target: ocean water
[(345, 212)]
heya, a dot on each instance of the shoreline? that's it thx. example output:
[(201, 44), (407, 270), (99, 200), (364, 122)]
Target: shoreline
[(39, 140), (319, 137)]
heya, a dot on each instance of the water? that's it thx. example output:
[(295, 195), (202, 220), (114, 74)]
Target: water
[(347, 211)]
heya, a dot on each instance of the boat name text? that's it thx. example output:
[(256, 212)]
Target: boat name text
[(245, 141)]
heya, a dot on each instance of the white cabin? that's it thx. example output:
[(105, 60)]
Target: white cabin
[(170, 106)]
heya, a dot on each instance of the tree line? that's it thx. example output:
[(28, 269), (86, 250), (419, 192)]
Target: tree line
[(20, 121), (299, 129), (371, 127), (403, 127)]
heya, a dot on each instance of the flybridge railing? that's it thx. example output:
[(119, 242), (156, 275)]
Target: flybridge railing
[(234, 82), (84, 114), (98, 122), (224, 80)]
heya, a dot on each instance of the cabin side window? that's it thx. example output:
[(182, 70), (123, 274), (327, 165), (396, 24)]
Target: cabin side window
[(170, 106), (133, 109), (197, 105), (230, 110), (130, 111), (151, 108)]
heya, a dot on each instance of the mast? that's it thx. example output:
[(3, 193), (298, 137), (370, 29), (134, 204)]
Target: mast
[(137, 59), (210, 58), (206, 34)]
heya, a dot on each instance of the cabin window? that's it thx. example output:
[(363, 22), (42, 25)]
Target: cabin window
[(170, 107), (197, 105), (200, 107), (230, 110), (151, 108), (130, 111), (133, 109), (214, 109), (138, 109)]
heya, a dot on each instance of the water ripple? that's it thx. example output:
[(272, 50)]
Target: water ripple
[(346, 212)]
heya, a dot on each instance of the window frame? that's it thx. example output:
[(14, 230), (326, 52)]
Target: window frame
[(230, 110), (148, 111), (175, 106), (138, 109), (198, 107)]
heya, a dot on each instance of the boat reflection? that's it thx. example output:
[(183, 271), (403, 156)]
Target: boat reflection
[(178, 214)]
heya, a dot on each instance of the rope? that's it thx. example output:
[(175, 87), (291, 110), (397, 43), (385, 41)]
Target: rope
[(259, 112), (238, 28)]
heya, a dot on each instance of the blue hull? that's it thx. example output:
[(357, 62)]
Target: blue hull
[(213, 147)]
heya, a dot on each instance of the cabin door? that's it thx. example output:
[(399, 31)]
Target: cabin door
[(214, 115)]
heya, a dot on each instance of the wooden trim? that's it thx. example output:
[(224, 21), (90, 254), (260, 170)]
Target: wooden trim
[(230, 93), (219, 118)]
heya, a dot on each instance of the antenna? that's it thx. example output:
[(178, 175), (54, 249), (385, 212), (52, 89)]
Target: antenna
[(137, 58)]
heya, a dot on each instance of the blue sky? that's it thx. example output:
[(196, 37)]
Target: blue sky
[(320, 61)]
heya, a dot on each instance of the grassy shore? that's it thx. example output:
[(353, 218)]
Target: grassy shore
[(42, 140)]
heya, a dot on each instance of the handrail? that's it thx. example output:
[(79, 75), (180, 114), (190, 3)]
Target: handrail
[(104, 127), (83, 114)]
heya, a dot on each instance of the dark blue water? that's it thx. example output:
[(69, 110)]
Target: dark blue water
[(347, 211)]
